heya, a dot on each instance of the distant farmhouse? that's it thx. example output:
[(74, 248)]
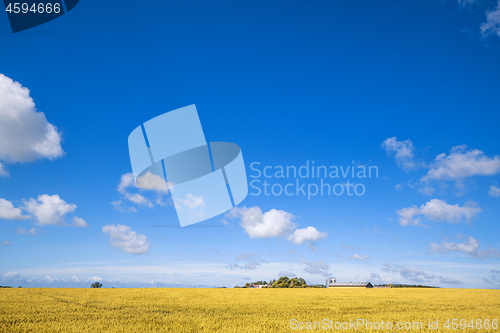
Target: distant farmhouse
[(260, 286), (332, 283)]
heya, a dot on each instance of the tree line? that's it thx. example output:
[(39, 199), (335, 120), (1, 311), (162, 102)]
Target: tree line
[(283, 282)]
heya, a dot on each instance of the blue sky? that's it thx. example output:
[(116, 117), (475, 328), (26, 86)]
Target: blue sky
[(368, 83)]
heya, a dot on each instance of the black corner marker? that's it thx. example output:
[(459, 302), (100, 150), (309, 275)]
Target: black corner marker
[(70, 4), (26, 14)]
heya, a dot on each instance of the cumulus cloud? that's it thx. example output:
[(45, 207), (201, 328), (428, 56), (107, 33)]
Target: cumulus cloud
[(494, 278), (22, 231), (25, 133), (126, 181), (415, 274), (494, 191), (469, 247), (309, 234), (438, 210), (79, 222), (377, 279), (119, 206), (3, 172), (274, 223), (6, 243), (403, 152), (190, 202), (148, 181), (252, 261), (358, 257), (492, 24), (138, 199), (49, 209), (9, 212), (123, 238), (459, 165), (316, 268)]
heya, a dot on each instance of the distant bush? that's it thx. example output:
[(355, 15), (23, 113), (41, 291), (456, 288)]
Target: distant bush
[(96, 285)]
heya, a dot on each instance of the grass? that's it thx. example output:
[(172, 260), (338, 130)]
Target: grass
[(237, 310)]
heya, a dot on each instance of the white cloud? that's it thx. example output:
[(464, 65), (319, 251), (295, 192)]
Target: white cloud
[(138, 199), (458, 165), (494, 191), (3, 172), (118, 205), (358, 257), (287, 274), (191, 202), (470, 247), (377, 279), (22, 231), (150, 181), (492, 24), (403, 152), (9, 212), (274, 223), (25, 134), (252, 261), (126, 181), (49, 209), (79, 222), (147, 181), (309, 234), (415, 274), (438, 210), (6, 243), (316, 268), (122, 237)]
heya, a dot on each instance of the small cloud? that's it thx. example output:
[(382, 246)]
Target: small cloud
[(287, 274), (49, 209), (123, 238), (459, 165), (358, 257), (274, 223), (438, 210), (494, 191), (3, 171), (25, 133), (492, 24), (398, 187), (470, 247), (403, 152), (309, 234), (6, 243), (9, 212), (79, 222), (316, 268), (22, 231)]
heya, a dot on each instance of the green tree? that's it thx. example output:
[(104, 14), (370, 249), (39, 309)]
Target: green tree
[(96, 285)]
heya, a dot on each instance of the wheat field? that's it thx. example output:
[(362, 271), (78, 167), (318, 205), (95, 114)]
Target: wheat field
[(245, 310)]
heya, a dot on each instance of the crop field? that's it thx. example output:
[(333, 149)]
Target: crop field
[(247, 310)]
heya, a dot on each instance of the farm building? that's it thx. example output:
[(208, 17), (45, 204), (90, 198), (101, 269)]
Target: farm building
[(332, 283)]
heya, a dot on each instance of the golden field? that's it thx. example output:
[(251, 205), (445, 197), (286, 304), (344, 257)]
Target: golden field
[(238, 310)]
